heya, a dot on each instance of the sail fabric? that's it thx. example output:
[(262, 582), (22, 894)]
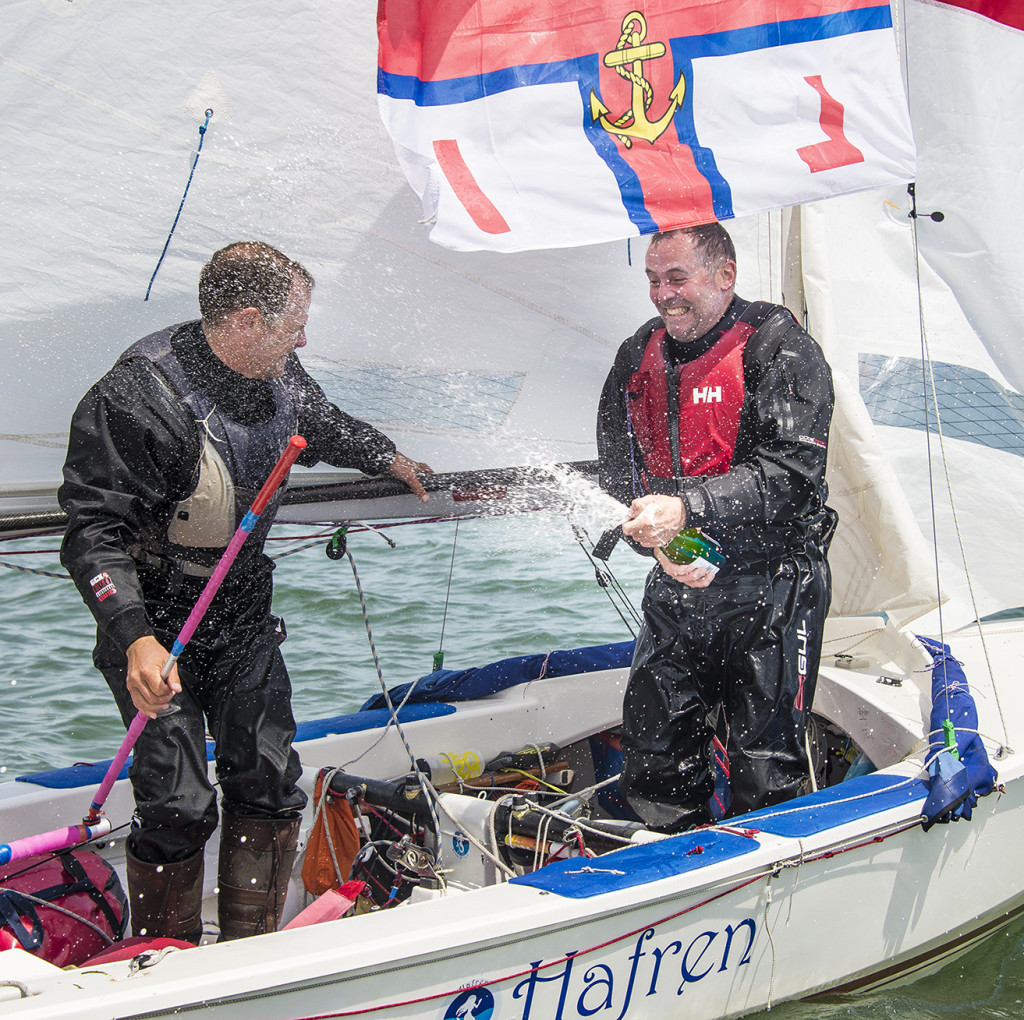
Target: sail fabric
[(466, 363), (489, 360), (913, 506), (1008, 12), (528, 125), (929, 349), (964, 78)]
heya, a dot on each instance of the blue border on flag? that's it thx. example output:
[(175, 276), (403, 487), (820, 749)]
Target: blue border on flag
[(584, 71)]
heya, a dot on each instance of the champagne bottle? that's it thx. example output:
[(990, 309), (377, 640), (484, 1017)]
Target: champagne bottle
[(691, 546)]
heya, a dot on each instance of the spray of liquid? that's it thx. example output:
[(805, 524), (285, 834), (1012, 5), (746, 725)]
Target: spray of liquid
[(586, 503), (590, 507)]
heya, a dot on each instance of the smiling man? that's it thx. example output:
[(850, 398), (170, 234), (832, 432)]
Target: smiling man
[(166, 454), (715, 416)]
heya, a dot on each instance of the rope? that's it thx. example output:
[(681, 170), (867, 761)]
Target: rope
[(324, 792), (39, 901), (54, 906), (516, 975), (32, 570), (771, 940), (607, 580), (491, 855), (191, 173), (429, 793)]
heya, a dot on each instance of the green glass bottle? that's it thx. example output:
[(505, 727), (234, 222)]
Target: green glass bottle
[(692, 546)]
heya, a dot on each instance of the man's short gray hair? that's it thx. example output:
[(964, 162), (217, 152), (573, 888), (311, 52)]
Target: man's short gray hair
[(711, 240), (248, 274)]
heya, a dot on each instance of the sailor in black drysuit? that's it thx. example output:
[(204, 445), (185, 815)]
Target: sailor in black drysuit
[(726, 416), (166, 454)]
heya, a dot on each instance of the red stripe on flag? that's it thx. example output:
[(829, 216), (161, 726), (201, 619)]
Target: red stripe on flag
[(1006, 12), (466, 189), (436, 40), (838, 150)]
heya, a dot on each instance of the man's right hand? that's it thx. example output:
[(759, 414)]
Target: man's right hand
[(150, 692), (655, 520)]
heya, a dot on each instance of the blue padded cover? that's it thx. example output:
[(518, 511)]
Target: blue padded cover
[(582, 877), (478, 682), (91, 774), (836, 805)]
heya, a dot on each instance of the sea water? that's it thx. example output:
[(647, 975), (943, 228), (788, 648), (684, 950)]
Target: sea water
[(477, 590), (515, 585)]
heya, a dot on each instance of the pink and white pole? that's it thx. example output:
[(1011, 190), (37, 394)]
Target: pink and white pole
[(94, 824)]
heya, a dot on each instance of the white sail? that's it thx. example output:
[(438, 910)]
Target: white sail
[(970, 134), (486, 360), (948, 322), (467, 360)]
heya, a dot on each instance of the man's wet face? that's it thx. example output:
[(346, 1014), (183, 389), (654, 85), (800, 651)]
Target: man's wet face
[(689, 297), (274, 339)]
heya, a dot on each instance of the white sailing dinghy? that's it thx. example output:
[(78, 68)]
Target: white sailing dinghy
[(542, 903)]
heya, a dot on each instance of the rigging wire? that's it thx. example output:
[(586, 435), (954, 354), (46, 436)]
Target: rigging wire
[(927, 369), (339, 542), (607, 580), (928, 381), (439, 654)]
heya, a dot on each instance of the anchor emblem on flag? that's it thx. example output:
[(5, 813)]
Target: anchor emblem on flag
[(635, 122)]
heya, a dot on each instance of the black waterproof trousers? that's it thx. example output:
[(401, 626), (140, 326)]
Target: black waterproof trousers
[(236, 688), (748, 646)]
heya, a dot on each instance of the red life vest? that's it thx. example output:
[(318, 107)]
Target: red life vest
[(709, 391)]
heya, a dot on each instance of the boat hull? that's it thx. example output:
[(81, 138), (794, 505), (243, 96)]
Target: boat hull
[(850, 908), (841, 890)]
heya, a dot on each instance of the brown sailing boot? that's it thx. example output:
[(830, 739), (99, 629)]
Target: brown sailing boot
[(166, 900), (256, 858)]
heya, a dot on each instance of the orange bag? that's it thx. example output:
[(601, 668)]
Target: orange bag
[(334, 828)]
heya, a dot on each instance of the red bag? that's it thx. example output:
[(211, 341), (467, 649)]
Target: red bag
[(93, 914)]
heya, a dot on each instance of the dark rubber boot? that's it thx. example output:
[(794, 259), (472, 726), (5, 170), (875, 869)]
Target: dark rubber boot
[(166, 900), (256, 858)]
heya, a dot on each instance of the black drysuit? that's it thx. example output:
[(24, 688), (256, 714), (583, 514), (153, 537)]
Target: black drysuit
[(166, 453), (749, 644)]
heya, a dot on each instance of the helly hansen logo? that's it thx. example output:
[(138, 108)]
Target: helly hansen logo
[(707, 394)]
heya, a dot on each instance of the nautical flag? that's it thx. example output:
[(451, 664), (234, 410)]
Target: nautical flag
[(545, 123)]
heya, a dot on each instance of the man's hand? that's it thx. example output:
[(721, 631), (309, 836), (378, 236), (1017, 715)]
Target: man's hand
[(150, 693), (406, 470), (655, 520), (693, 575)]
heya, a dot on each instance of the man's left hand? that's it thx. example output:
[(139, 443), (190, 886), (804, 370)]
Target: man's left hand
[(408, 471), (693, 575)]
